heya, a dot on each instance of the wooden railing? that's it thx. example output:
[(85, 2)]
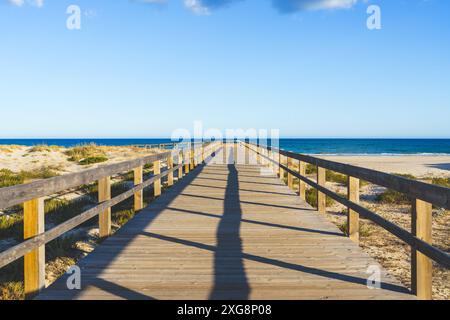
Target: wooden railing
[(423, 196), (32, 195)]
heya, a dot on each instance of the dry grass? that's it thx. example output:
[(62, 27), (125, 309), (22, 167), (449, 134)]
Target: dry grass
[(9, 148), (81, 152), (44, 148)]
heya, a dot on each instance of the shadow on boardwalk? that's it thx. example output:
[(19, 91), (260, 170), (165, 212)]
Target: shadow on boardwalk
[(230, 279)]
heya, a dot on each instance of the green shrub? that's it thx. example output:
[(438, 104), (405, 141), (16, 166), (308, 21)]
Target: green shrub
[(9, 178), (92, 160), (364, 231), (122, 217), (311, 169), (443, 182), (336, 177), (393, 197), (83, 151), (311, 198), (406, 176)]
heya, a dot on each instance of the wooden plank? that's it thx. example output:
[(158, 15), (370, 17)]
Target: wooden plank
[(321, 197), (353, 216), (157, 184), (34, 261), (138, 195), (104, 218), (421, 266)]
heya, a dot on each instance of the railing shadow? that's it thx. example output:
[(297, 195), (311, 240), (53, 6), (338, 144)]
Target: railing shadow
[(230, 280)]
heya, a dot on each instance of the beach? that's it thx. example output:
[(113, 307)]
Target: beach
[(17, 158), (421, 166), (22, 164)]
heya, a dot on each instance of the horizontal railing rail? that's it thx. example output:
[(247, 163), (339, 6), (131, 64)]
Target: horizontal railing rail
[(425, 196), (32, 196)]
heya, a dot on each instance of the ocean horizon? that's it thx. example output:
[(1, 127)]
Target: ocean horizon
[(317, 146)]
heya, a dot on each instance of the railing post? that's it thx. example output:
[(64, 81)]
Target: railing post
[(421, 265), (276, 157), (235, 152), (290, 178), (353, 216), (281, 170), (258, 155), (191, 157), (170, 174), (321, 198), (104, 218), (34, 261), (138, 196), (186, 161), (180, 165), (157, 183), (247, 153), (302, 184)]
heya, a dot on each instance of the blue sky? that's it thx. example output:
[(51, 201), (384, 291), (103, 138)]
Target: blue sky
[(310, 68)]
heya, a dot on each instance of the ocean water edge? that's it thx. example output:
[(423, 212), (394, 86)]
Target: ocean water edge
[(329, 147)]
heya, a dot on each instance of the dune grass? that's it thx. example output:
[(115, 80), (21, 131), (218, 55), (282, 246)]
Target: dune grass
[(44, 148), (9, 178), (311, 198), (92, 160), (443, 182), (364, 231), (87, 154)]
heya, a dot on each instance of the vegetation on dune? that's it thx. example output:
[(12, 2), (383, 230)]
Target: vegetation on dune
[(311, 198), (336, 177), (364, 231), (9, 178), (443, 182), (406, 176), (393, 197), (43, 148), (87, 154), (311, 169), (92, 160)]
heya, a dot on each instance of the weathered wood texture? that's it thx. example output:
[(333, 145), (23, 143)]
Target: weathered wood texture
[(227, 232)]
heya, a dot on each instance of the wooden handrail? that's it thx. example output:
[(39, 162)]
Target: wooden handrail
[(34, 192), (437, 195), (424, 194)]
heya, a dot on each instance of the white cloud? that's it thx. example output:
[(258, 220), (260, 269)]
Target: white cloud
[(21, 3), (17, 3), (197, 7), (299, 5)]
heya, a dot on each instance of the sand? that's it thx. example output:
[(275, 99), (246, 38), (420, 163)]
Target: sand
[(418, 165), (17, 158)]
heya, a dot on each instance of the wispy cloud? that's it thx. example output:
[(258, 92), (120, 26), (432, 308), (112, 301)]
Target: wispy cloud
[(286, 6), (21, 3), (204, 7)]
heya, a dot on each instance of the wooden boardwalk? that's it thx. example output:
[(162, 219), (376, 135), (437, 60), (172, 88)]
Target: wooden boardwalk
[(227, 231)]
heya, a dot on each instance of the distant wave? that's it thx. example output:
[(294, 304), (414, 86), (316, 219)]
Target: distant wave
[(376, 154)]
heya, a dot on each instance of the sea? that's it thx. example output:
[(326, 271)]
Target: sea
[(387, 147)]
